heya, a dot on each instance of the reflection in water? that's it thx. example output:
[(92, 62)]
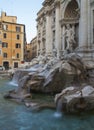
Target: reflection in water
[(15, 116)]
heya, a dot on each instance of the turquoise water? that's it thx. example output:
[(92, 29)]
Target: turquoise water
[(15, 116)]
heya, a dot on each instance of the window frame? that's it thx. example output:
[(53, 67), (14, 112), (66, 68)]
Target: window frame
[(5, 55), (4, 45), (4, 35), (18, 29), (17, 45), (0, 51), (17, 55), (18, 36), (5, 27)]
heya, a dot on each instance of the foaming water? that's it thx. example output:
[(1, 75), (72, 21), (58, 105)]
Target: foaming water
[(13, 83), (57, 114)]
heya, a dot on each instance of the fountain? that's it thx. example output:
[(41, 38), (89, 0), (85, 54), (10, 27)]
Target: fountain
[(50, 75), (38, 77)]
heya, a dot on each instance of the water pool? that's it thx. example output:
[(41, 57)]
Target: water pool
[(14, 116)]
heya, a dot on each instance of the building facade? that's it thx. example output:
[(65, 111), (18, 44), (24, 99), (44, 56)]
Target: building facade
[(66, 25), (34, 44), (12, 41), (31, 49), (28, 52)]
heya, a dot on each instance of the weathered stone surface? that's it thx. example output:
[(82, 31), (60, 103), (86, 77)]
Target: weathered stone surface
[(46, 77), (73, 99), (80, 95), (39, 106), (37, 78)]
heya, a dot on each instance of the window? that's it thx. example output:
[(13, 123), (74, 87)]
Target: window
[(28, 51), (39, 34), (18, 45), (5, 55), (0, 25), (54, 36), (0, 52), (17, 55), (15, 64), (0, 42), (18, 36), (4, 35), (5, 44), (5, 27), (53, 39), (18, 29), (43, 45), (39, 45)]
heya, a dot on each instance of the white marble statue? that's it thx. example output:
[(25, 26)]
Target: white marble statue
[(54, 52), (70, 36)]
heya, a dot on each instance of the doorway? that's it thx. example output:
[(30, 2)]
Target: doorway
[(6, 65)]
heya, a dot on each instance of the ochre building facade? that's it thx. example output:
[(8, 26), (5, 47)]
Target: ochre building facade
[(12, 41)]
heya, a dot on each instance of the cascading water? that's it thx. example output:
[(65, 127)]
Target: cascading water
[(58, 112), (17, 76)]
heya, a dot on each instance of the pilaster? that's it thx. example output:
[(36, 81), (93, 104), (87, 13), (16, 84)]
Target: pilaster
[(83, 34), (63, 38), (48, 33), (57, 43)]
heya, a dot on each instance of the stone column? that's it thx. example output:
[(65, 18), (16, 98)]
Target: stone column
[(89, 24), (37, 45), (63, 38), (57, 29), (83, 33), (41, 45), (48, 34)]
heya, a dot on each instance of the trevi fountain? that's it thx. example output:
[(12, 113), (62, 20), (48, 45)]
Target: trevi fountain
[(55, 91)]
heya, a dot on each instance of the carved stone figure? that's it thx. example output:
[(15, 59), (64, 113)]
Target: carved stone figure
[(70, 37), (54, 52)]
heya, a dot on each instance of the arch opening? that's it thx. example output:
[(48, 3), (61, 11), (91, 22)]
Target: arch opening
[(72, 10)]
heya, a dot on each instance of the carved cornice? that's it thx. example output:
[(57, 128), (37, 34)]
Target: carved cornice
[(69, 21), (41, 13), (48, 10), (47, 2), (48, 6)]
